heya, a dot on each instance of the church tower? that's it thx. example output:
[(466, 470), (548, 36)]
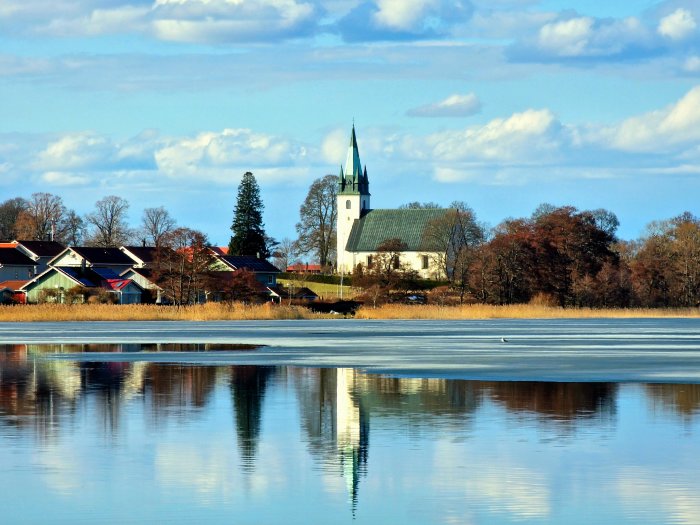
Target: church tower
[(352, 201)]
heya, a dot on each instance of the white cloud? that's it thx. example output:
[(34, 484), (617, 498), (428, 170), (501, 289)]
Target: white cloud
[(61, 178), (335, 146), (586, 37), (74, 151), (402, 14), (678, 25), (657, 131), (521, 136), (566, 38), (692, 64), (214, 154), (453, 106)]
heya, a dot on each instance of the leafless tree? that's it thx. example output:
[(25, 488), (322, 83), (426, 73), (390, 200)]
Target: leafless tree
[(107, 224), (317, 218), (156, 223), (43, 219), (285, 253)]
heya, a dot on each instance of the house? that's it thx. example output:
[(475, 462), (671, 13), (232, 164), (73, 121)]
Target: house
[(146, 280), (41, 252), (361, 230), (304, 268), (92, 257), (58, 282), (264, 271), (143, 256), (10, 292), (15, 265)]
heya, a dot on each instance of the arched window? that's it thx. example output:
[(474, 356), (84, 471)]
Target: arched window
[(348, 205)]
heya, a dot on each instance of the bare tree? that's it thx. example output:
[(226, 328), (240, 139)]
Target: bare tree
[(285, 253), (155, 224), (183, 266), (43, 219), (318, 214), (74, 231), (107, 224)]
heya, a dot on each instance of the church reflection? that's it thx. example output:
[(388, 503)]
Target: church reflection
[(337, 407)]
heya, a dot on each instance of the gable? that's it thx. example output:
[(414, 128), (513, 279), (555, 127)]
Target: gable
[(378, 226)]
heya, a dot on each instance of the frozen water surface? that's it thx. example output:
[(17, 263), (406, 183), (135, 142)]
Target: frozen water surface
[(351, 422), (647, 350)]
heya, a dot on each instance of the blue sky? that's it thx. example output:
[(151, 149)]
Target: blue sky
[(504, 104)]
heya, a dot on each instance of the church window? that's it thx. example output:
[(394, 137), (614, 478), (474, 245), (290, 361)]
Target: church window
[(348, 204), (369, 262), (397, 262), (425, 262)]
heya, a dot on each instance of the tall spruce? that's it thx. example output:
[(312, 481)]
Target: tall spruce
[(248, 229)]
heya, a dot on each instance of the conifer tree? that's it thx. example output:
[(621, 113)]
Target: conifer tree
[(248, 230)]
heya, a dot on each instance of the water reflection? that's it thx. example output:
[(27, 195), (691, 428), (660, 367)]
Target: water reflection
[(335, 411)]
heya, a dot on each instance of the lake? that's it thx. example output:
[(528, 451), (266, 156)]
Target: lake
[(345, 421)]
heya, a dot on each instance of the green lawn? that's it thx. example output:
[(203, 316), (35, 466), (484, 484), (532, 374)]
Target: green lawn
[(326, 291)]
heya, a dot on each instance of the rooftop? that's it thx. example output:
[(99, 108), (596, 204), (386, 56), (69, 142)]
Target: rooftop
[(378, 226)]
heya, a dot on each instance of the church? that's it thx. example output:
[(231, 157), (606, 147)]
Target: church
[(361, 230)]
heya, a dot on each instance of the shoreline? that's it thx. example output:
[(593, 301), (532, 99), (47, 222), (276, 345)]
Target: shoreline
[(268, 312)]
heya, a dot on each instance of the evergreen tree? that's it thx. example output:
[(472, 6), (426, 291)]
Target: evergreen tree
[(248, 230)]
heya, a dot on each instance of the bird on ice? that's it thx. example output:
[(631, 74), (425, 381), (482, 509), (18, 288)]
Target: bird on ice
[(504, 340)]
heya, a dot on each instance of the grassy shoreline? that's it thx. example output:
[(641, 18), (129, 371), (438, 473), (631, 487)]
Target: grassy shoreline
[(224, 312)]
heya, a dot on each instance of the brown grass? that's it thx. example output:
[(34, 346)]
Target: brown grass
[(223, 312), (518, 311), (144, 312)]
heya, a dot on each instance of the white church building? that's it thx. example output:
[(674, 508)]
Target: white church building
[(361, 230)]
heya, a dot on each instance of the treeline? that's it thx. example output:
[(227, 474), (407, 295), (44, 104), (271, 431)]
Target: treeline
[(559, 256), (44, 217)]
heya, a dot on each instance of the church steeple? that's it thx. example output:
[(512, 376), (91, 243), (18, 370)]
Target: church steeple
[(353, 180)]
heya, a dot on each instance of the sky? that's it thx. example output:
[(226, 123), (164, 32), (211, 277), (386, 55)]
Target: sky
[(503, 104)]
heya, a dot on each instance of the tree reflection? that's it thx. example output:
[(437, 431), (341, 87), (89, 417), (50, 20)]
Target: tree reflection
[(681, 400), (567, 402), (248, 386)]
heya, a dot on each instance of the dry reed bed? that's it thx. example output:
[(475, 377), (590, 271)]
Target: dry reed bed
[(144, 312), (516, 311), (223, 312)]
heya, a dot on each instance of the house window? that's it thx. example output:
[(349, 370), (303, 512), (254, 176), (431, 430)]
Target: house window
[(425, 262), (369, 262), (395, 261), (348, 204)]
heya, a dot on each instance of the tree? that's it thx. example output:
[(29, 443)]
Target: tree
[(43, 219), (74, 229), (9, 211), (415, 205), (240, 285), (453, 237), (285, 253), (182, 267), (155, 223), (249, 236), (318, 215), (108, 228)]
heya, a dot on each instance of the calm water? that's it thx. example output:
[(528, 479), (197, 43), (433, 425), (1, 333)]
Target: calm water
[(87, 439)]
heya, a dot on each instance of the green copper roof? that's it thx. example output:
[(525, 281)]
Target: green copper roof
[(352, 180), (377, 226)]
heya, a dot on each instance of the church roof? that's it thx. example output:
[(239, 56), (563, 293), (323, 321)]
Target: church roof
[(377, 226), (353, 180)]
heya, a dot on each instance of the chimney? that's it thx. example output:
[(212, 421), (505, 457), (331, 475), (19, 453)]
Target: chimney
[(82, 265), (143, 243)]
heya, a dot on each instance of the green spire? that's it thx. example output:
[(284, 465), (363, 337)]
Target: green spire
[(353, 180)]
